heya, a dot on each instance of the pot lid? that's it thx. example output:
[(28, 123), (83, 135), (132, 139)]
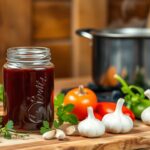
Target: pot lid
[(123, 33)]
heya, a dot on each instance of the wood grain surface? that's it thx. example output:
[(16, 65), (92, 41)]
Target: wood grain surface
[(15, 21), (51, 19), (86, 14), (61, 56), (138, 138)]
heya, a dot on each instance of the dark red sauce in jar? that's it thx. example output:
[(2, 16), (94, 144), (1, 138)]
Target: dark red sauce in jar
[(29, 87)]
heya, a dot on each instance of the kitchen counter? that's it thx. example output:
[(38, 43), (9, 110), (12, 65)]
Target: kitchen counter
[(70, 82), (138, 138), (65, 83)]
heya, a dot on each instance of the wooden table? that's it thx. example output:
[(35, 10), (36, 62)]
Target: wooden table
[(70, 82), (64, 83), (138, 138)]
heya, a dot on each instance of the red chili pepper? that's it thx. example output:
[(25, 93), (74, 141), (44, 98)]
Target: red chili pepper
[(104, 108)]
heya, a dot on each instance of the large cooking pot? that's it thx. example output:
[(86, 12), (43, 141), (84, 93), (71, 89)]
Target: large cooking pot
[(124, 51)]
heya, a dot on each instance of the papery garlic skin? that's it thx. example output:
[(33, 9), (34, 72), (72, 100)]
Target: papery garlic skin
[(91, 127), (145, 116), (147, 93), (60, 135), (49, 135), (117, 122)]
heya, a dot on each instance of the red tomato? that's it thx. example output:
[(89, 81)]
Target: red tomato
[(104, 108), (81, 98), (98, 116)]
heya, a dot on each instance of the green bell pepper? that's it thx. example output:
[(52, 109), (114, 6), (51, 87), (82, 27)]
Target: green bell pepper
[(134, 97)]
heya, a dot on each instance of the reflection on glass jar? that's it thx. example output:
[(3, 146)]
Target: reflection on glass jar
[(28, 86)]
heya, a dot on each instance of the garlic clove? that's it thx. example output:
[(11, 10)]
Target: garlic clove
[(145, 116), (49, 135), (72, 130), (117, 122), (60, 135), (91, 127)]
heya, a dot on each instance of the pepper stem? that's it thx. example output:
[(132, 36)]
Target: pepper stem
[(90, 113), (117, 77), (81, 90), (123, 83), (119, 105)]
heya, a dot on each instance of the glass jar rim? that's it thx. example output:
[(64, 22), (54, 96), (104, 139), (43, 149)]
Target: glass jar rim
[(28, 55), (27, 48)]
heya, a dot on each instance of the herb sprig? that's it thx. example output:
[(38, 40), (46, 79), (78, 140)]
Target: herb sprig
[(8, 131), (63, 113)]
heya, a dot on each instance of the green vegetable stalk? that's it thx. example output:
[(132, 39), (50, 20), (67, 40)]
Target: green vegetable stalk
[(134, 97)]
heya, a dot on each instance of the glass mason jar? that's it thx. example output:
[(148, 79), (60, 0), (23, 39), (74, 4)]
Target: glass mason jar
[(28, 77)]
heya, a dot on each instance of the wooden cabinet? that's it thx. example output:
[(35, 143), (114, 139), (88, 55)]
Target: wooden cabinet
[(15, 26), (51, 20), (127, 13), (52, 23), (51, 27)]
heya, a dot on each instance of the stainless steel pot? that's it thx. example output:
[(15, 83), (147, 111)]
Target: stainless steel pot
[(124, 51)]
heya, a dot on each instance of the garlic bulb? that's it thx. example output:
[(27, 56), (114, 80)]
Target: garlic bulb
[(145, 116), (117, 122), (91, 127), (147, 93)]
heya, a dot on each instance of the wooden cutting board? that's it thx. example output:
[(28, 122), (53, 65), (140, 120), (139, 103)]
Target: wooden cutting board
[(138, 138)]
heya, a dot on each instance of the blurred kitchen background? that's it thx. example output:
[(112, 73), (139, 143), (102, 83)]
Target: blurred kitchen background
[(52, 23)]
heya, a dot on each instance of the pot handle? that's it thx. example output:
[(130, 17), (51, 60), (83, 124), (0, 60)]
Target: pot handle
[(85, 33)]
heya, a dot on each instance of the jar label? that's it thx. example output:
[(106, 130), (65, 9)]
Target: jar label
[(36, 111)]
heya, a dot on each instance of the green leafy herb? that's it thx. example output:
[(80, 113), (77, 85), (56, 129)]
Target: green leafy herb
[(69, 107), (63, 113), (8, 131), (59, 99), (56, 124), (45, 127)]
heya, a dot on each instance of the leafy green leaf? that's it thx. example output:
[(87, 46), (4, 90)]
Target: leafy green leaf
[(59, 99), (46, 124), (45, 127), (43, 130), (7, 135), (9, 124), (71, 118), (69, 108), (63, 114), (56, 124), (7, 131), (60, 111)]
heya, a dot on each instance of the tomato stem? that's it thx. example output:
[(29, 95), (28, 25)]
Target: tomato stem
[(81, 90)]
